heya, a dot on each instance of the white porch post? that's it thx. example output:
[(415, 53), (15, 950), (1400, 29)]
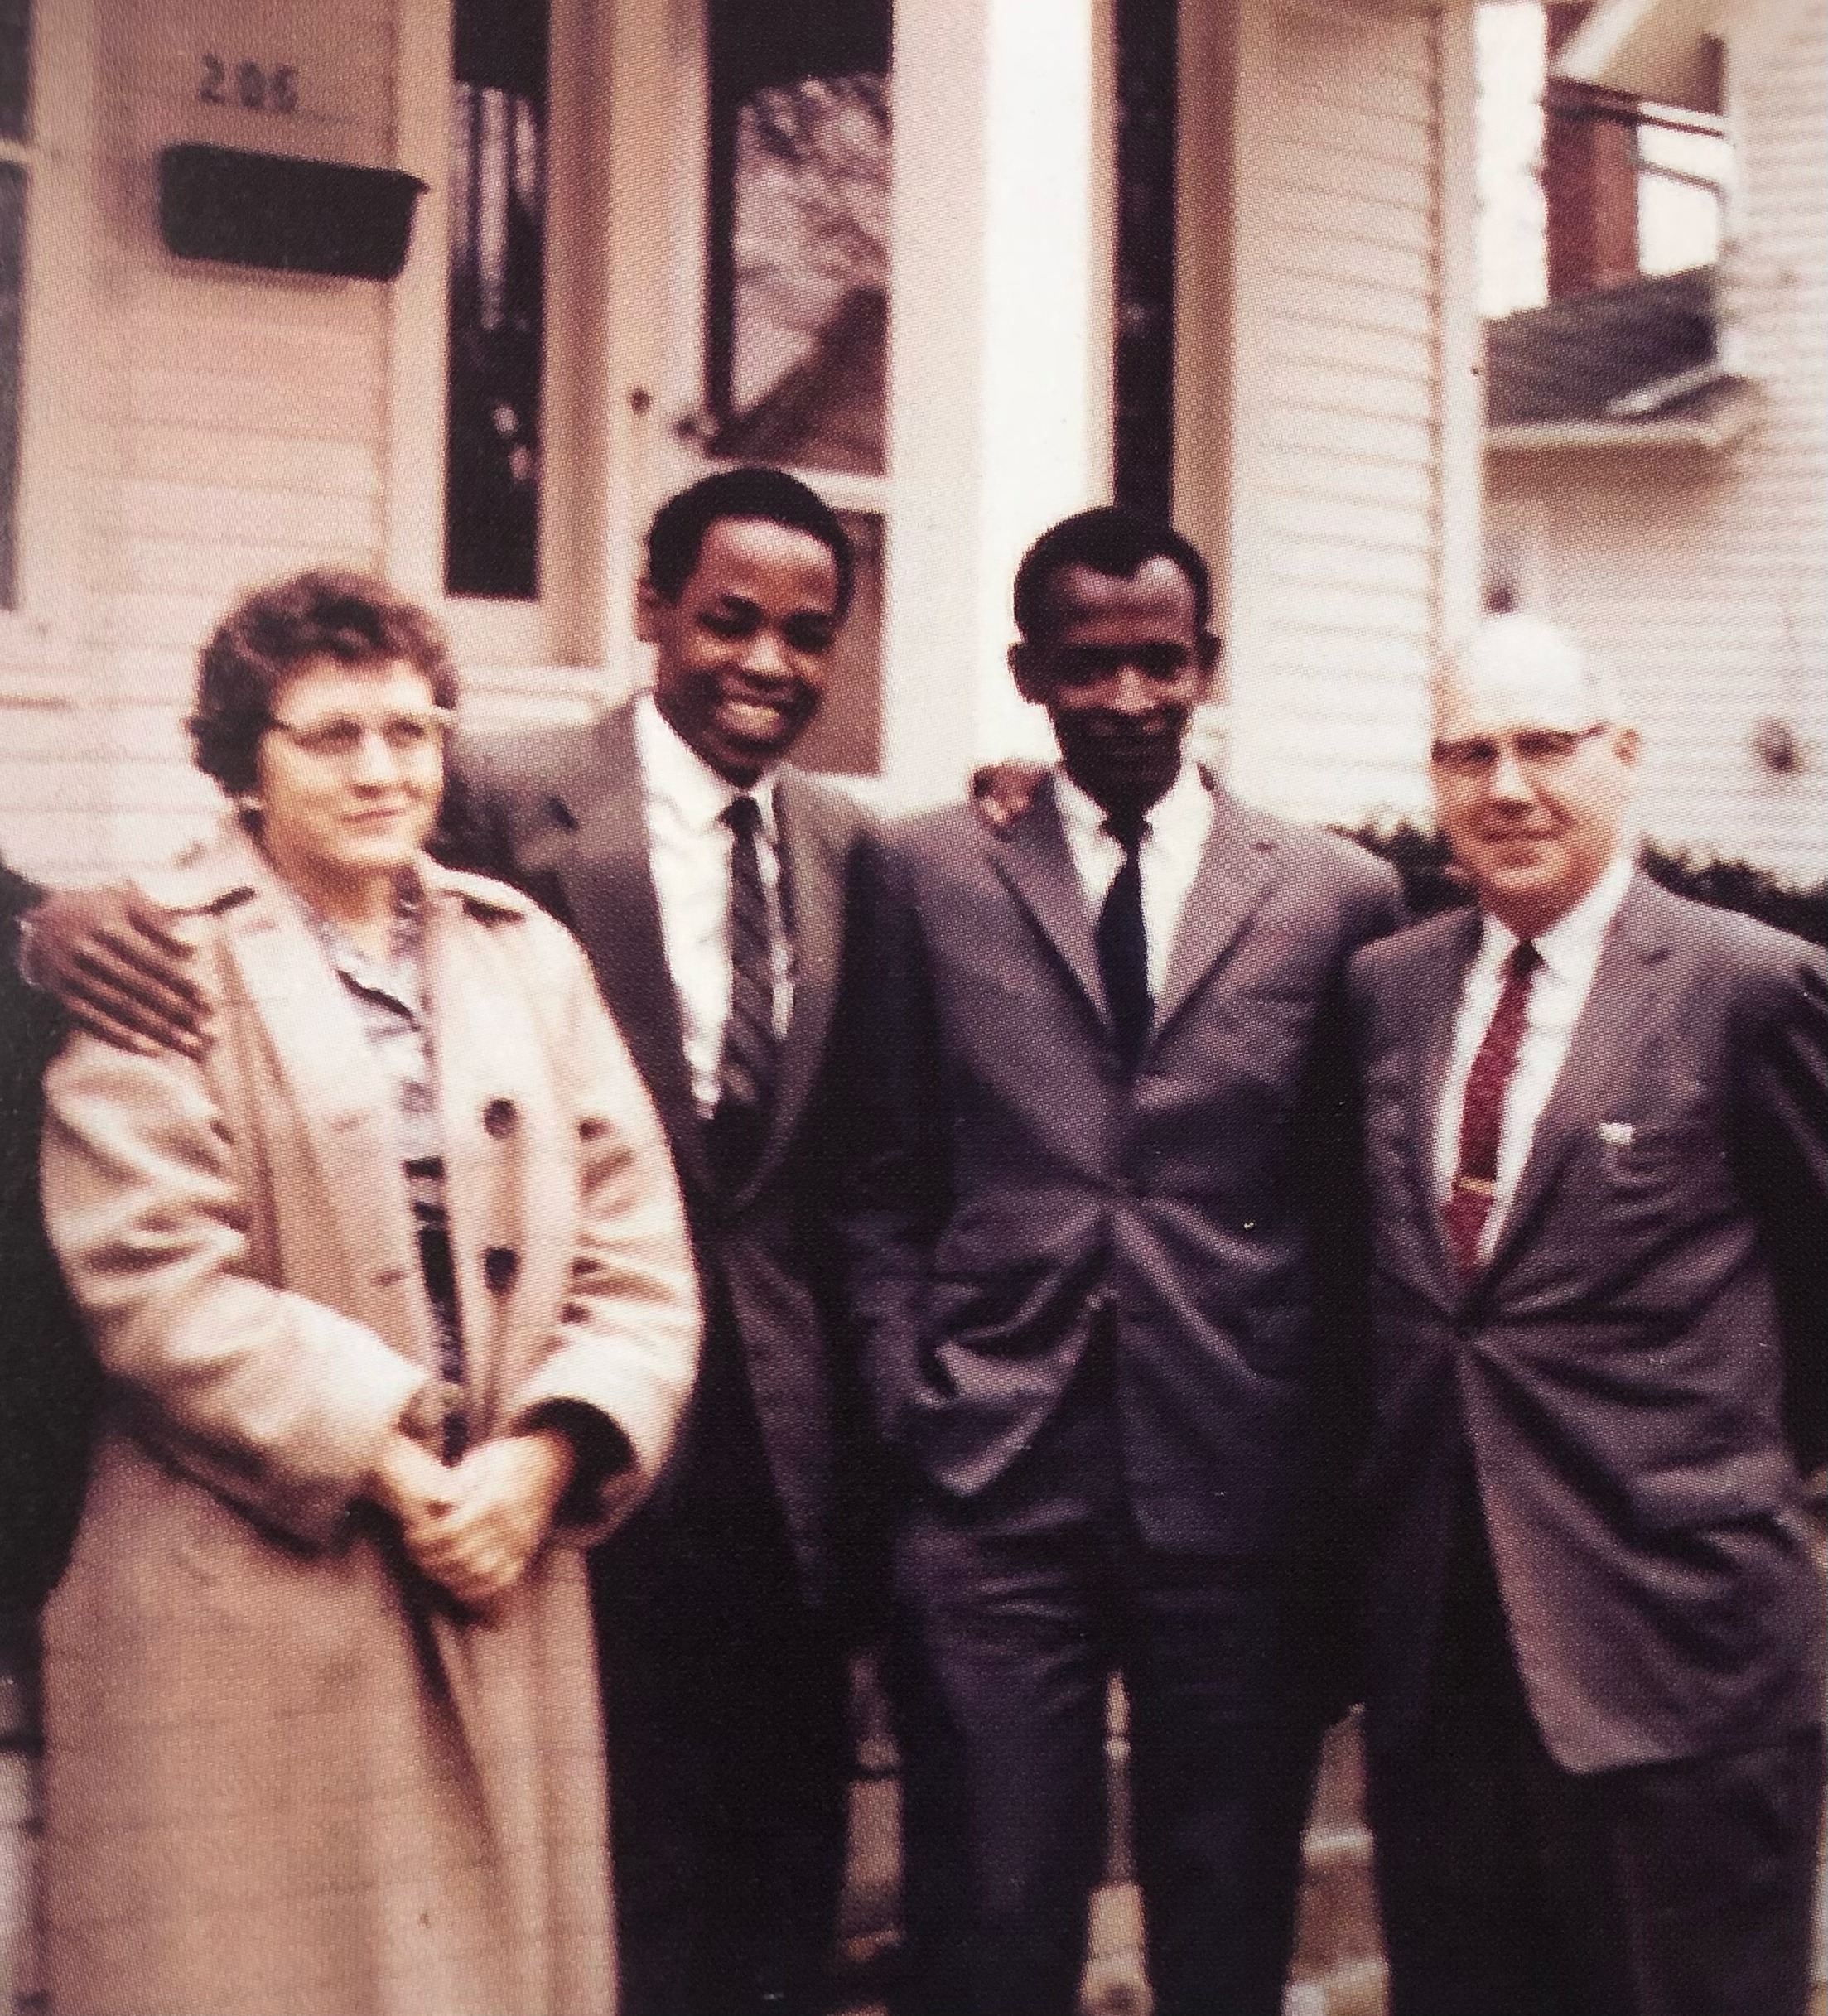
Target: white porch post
[(1001, 353)]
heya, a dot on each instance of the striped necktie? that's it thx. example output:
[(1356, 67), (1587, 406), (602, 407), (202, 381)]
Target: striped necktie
[(747, 1071)]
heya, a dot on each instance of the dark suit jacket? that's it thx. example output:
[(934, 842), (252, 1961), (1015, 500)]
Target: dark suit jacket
[(1014, 1184), (50, 1384), (558, 813), (1616, 1376)]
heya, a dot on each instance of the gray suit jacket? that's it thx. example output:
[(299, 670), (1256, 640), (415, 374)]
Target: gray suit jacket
[(1620, 1376), (1014, 1188), (558, 813)]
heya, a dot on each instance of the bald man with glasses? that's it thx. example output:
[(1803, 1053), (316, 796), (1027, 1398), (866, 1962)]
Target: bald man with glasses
[(1596, 1117)]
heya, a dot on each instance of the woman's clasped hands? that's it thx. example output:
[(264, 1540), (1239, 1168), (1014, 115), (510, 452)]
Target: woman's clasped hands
[(474, 1527)]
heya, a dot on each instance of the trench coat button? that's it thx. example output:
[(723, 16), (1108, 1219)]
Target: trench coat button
[(500, 1264), (498, 1119)]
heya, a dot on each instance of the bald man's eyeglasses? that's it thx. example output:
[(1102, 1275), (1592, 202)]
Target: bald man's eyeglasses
[(1530, 749)]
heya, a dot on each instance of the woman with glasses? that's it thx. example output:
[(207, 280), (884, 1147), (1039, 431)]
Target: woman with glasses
[(390, 1288)]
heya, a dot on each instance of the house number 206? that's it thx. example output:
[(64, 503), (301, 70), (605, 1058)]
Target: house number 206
[(249, 86)]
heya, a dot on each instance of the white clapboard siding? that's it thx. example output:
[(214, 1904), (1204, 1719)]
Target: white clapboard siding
[(234, 429), (1703, 578), (1337, 416)]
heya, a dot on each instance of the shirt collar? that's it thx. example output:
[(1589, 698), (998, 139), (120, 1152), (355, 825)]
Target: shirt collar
[(398, 977), (1183, 809), (1570, 946), (675, 776)]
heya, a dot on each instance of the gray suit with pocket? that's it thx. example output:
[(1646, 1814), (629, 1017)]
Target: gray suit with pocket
[(1582, 1488)]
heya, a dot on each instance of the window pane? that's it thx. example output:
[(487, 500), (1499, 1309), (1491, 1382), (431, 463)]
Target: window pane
[(846, 736), (498, 299), (12, 238), (1709, 155), (798, 255), (1143, 368), (14, 67)]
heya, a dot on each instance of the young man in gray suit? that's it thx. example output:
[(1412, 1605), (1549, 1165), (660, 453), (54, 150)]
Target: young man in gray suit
[(1099, 1238), (708, 881), (1596, 1120)]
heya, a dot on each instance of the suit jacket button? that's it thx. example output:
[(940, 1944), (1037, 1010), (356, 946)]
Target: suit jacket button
[(498, 1119), (500, 1264)]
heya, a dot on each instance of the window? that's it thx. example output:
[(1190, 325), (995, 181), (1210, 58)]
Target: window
[(494, 462), (1143, 365), (15, 163), (1684, 161), (797, 308), (796, 297)]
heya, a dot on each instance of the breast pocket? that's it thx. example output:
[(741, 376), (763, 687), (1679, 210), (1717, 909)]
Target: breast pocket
[(1661, 1176)]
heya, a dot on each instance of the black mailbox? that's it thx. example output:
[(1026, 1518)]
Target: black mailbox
[(290, 215)]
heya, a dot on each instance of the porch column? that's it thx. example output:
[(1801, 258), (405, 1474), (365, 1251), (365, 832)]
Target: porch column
[(1000, 353)]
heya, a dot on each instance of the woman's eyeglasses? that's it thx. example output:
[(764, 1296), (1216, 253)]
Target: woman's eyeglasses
[(338, 739)]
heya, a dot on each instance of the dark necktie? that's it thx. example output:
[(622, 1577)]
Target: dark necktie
[(1482, 1118), (746, 1070), (1123, 944)]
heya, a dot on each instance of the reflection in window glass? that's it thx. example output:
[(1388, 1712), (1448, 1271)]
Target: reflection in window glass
[(798, 256), (498, 299), (12, 239), (14, 67), (846, 736)]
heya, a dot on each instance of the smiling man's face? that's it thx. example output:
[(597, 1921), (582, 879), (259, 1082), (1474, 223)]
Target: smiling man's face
[(743, 655)]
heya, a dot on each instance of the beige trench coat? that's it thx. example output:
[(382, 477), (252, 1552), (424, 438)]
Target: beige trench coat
[(277, 1778)]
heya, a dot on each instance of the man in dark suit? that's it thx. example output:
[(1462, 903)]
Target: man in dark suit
[(49, 1381), (1597, 1128), (709, 882), (1090, 1267)]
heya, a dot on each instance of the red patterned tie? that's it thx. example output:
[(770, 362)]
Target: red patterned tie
[(1482, 1118)]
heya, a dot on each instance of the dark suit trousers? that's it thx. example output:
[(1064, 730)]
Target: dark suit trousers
[(1013, 1609), (1510, 1887), (726, 1701)]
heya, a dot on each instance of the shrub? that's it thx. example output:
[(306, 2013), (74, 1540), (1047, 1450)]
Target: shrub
[(1431, 882)]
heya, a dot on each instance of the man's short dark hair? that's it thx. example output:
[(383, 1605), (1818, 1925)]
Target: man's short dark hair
[(1110, 541), (677, 536), (325, 612)]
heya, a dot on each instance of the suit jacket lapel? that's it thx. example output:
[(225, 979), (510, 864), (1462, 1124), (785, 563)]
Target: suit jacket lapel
[(814, 895), (1235, 873), (609, 889), (1618, 1010), (1033, 858), (1438, 990)]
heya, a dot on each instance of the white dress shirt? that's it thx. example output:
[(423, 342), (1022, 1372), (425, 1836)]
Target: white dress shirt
[(1569, 950), (689, 848), (1173, 841)]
